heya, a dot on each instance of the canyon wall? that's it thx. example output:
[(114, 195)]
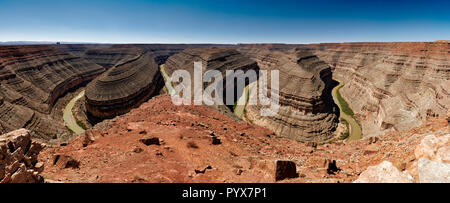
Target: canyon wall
[(391, 85), (123, 87), (307, 111), (214, 58), (108, 56), (35, 76), (32, 78), (79, 49)]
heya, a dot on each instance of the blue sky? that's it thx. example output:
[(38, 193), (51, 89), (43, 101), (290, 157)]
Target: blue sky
[(215, 21)]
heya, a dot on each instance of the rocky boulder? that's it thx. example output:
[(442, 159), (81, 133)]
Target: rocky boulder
[(19, 158), (433, 171), (435, 148), (433, 155), (64, 161), (385, 172), (285, 170)]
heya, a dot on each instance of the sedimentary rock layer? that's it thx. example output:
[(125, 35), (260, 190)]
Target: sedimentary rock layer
[(79, 49), (32, 78), (123, 87), (307, 111), (213, 58), (35, 76), (19, 158), (391, 85), (16, 116), (108, 56)]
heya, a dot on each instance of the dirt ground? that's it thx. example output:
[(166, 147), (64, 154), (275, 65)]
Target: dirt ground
[(245, 153)]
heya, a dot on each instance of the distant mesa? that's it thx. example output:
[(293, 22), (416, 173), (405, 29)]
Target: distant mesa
[(123, 87)]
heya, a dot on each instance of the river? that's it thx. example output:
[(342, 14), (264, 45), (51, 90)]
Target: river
[(69, 119), (355, 128), (239, 110)]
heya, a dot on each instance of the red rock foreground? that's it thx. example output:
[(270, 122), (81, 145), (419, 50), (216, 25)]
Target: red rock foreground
[(18, 158), (160, 142)]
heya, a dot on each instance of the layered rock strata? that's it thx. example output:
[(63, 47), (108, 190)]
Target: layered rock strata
[(79, 49), (108, 56), (19, 158), (391, 85), (163, 51), (213, 58), (16, 116), (307, 111), (32, 78), (123, 87)]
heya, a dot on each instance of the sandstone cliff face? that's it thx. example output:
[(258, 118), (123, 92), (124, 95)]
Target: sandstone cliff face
[(32, 78), (391, 85), (123, 87), (19, 158), (307, 111)]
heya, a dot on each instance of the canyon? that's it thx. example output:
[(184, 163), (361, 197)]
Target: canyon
[(391, 86), (123, 87), (307, 111), (399, 93), (32, 79), (213, 59)]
